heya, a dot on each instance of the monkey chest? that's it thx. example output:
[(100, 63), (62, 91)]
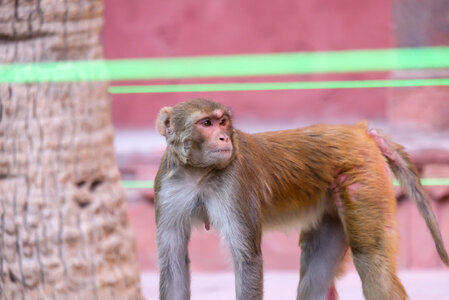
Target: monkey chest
[(186, 200)]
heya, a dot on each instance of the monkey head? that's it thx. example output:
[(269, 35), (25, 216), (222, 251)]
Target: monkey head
[(199, 132)]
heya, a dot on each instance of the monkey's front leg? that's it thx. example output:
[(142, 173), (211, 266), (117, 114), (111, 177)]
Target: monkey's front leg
[(174, 263), (248, 277), (244, 241)]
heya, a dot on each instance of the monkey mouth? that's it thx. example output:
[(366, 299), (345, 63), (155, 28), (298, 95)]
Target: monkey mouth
[(222, 154), (224, 150)]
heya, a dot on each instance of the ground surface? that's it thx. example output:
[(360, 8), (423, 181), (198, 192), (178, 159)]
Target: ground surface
[(420, 285)]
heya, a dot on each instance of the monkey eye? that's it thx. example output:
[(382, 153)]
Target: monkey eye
[(223, 121), (206, 123)]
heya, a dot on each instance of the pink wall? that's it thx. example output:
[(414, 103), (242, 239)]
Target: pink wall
[(142, 28)]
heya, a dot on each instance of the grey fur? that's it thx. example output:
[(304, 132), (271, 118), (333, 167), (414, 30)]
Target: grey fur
[(322, 250)]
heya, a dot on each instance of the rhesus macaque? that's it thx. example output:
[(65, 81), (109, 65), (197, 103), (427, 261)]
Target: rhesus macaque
[(330, 182)]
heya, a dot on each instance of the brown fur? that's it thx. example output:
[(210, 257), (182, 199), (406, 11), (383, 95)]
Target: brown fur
[(332, 180)]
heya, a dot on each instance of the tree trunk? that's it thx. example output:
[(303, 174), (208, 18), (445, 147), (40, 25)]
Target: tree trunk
[(64, 232)]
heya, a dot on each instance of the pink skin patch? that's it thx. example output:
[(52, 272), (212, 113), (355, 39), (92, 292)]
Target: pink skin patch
[(207, 224), (332, 293), (218, 113), (353, 188), (386, 150), (335, 186)]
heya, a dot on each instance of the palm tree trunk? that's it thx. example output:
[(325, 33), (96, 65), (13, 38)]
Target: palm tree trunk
[(64, 232)]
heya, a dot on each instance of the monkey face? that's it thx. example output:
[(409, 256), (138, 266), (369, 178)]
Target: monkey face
[(211, 140), (199, 132)]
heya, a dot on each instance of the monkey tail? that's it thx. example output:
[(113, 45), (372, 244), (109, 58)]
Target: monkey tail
[(405, 171)]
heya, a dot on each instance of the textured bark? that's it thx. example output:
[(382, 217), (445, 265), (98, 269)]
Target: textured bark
[(64, 232)]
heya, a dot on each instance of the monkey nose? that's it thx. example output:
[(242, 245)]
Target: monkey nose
[(224, 138)]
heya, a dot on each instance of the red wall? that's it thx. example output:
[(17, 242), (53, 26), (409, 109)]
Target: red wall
[(142, 28)]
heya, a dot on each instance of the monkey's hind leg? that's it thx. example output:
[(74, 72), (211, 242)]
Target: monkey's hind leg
[(368, 212), (322, 250)]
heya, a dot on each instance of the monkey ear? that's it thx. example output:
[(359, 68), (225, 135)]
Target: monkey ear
[(163, 122)]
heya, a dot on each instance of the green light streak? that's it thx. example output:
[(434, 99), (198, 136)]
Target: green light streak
[(149, 184), (228, 66), (435, 181), (429, 182), (138, 184), (264, 86)]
